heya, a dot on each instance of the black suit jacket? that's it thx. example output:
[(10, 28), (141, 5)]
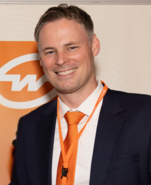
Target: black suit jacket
[(122, 150)]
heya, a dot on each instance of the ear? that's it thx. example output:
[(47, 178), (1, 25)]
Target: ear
[(40, 60), (95, 45)]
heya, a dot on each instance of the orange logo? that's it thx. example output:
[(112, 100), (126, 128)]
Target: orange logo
[(22, 81)]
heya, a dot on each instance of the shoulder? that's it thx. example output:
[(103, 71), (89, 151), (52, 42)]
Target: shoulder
[(132, 97), (38, 114), (133, 100)]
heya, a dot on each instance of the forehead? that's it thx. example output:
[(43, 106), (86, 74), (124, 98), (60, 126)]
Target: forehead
[(63, 28)]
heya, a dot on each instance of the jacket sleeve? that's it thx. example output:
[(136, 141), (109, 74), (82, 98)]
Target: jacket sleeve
[(19, 173)]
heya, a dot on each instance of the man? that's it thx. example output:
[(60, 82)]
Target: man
[(112, 146)]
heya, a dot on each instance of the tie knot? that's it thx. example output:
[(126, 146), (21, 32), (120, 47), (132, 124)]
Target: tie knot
[(73, 118)]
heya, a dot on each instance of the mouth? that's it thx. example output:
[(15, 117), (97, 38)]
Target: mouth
[(66, 72)]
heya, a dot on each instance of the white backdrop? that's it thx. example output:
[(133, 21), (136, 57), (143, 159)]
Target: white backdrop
[(124, 33)]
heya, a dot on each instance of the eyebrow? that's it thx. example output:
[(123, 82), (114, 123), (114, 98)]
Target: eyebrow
[(71, 43), (68, 44), (47, 48)]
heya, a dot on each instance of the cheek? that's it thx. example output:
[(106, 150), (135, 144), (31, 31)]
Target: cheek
[(79, 56), (49, 75), (47, 63)]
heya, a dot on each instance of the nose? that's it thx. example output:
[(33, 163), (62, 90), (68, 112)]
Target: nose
[(62, 58)]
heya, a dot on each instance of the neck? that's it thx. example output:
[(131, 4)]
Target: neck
[(75, 99)]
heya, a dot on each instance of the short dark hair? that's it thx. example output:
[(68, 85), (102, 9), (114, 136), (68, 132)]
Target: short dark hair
[(68, 12)]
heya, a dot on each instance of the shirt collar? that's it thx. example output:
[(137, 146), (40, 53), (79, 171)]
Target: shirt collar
[(87, 106)]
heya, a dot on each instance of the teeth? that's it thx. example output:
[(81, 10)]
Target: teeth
[(66, 72)]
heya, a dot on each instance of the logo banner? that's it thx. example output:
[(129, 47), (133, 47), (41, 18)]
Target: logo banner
[(23, 87)]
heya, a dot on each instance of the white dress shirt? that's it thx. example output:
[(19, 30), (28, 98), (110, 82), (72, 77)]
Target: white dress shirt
[(85, 142)]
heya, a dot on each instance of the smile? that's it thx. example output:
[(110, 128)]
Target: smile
[(66, 72)]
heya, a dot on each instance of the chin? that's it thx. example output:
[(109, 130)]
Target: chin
[(66, 90)]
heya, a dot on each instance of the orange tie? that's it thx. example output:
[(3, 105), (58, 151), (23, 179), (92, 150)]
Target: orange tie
[(72, 118)]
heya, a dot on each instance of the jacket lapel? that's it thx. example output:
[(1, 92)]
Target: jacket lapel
[(45, 138), (109, 127)]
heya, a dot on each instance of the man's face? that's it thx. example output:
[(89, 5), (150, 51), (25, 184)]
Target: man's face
[(67, 56)]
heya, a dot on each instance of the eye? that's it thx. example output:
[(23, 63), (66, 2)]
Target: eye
[(72, 47), (49, 52)]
